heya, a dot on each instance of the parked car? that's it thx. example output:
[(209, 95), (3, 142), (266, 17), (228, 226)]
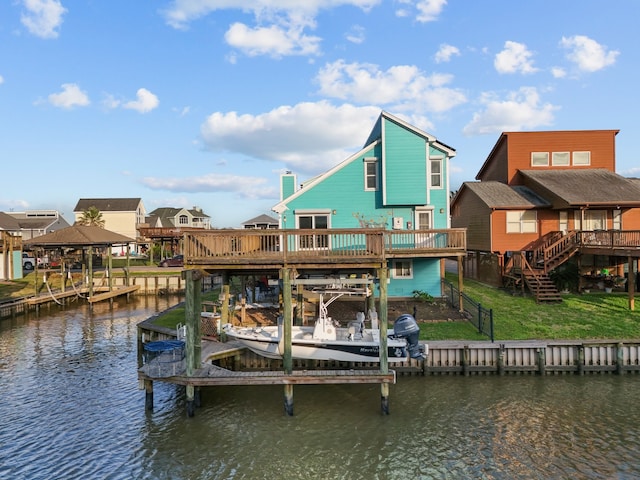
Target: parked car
[(175, 261)]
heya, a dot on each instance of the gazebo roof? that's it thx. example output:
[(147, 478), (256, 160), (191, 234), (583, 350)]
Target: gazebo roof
[(78, 236)]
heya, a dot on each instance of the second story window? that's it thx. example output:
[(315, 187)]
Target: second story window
[(539, 159), (184, 220), (560, 158), (436, 173), (582, 158), (371, 174)]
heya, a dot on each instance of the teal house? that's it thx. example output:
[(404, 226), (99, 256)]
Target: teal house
[(398, 181)]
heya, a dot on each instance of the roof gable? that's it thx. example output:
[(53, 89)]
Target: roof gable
[(501, 196)]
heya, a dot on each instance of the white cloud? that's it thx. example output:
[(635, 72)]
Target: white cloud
[(273, 40), (445, 52), (279, 28), (355, 34), (145, 101), (43, 17), (402, 87), (558, 72), (246, 187), (519, 111), (71, 96), (1, 79), (515, 58), (588, 54), (429, 10), (307, 137)]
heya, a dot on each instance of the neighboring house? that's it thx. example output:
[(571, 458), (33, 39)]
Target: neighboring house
[(168, 217), (33, 223), (399, 180), (120, 215), (261, 222), (536, 187)]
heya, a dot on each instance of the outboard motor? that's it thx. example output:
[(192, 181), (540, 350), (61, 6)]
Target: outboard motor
[(406, 327)]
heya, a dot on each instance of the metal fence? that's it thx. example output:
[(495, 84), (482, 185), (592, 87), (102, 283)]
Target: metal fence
[(480, 317)]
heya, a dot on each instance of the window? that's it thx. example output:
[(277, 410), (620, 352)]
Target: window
[(560, 158), (522, 222), (315, 221), (582, 158), (563, 217), (371, 174), (540, 159), (617, 219), (183, 219), (402, 269), (436, 173)]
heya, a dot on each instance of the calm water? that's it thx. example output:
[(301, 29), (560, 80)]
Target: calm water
[(70, 409)]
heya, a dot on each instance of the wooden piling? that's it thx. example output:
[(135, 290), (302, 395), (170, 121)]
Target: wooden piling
[(148, 397), (620, 359), (542, 361), (288, 400)]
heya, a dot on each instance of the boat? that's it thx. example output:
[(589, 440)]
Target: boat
[(328, 340)]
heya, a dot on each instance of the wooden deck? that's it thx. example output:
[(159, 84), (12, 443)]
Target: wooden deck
[(349, 248)]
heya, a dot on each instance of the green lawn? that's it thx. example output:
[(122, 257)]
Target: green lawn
[(587, 316)]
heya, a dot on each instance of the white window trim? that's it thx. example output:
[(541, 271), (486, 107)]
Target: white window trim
[(402, 277), (556, 163), (521, 221), (440, 160), (581, 164), (616, 220), (366, 162), (546, 154)]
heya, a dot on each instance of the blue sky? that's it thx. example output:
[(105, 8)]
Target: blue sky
[(206, 102)]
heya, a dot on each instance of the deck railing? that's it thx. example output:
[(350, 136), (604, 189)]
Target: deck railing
[(611, 239), (316, 245)]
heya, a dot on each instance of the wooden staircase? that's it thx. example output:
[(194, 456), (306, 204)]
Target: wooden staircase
[(519, 272), (553, 249), (541, 286)]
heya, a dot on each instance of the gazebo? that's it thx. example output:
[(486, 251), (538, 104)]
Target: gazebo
[(85, 238)]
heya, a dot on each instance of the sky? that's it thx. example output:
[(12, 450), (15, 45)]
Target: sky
[(206, 103)]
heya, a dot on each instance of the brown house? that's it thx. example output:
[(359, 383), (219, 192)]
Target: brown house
[(536, 189)]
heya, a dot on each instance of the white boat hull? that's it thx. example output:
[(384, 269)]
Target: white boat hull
[(266, 341)]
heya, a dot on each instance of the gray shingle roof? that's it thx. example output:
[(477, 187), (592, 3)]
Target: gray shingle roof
[(499, 195), (108, 204), (585, 187)]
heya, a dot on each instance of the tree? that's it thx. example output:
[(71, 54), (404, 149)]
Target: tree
[(91, 217)]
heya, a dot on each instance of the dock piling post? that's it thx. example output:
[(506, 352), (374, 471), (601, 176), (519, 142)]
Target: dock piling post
[(288, 400), (620, 359), (580, 359), (501, 360), (384, 398), (542, 361), (148, 395)]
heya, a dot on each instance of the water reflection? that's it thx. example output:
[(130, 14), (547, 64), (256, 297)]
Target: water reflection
[(71, 409)]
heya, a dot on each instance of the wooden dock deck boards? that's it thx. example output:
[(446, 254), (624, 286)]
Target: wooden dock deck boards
[(213, 375), (40, 299), (116, 292)]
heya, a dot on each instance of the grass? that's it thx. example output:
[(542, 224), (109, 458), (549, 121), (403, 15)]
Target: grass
[(579, 317)]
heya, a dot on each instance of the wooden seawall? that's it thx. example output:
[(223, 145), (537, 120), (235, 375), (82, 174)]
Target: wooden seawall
[(463, 358)]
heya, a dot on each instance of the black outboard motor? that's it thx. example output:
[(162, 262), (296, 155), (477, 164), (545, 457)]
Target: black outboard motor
[(406, 327)]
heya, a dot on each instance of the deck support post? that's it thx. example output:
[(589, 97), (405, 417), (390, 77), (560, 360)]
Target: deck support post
[(288, 399), (192, 308), (631, 281), (287, 319), (148, 394), (383, 352), (460, 284)]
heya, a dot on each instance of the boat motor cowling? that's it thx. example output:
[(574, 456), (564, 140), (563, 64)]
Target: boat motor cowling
[(406, 327)]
